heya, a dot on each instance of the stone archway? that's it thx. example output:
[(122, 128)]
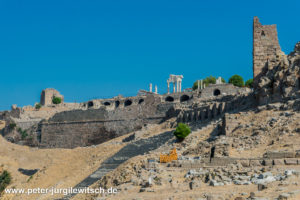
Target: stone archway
[(184, 98), (169, 99), (217, 92)]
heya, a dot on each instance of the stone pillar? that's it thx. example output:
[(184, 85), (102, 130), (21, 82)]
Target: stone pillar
[(174, 87), (150, 89), (168, 87), (177, 86), (155, 89), (198, 83), (180, 85), (201, 84)]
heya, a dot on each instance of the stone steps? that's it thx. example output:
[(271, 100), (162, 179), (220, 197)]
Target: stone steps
[(131, 150)]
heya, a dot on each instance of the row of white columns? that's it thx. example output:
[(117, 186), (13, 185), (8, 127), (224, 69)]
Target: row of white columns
[(155, 88), (200, 85), (176, 86)]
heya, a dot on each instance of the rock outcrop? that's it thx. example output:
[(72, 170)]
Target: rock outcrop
[(281, 81)]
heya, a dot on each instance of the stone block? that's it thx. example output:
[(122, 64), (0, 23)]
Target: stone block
[(267, 162), (261, 187), (291, 161), (279, 162), (245, 163), (239, 198), (254, 163), (276, 155)]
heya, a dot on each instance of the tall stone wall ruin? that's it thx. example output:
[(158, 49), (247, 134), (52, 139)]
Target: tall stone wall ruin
[(47, 96), (266, 48)]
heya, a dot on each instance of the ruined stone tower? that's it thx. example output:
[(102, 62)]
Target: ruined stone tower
[(265, 48), (47, 96)]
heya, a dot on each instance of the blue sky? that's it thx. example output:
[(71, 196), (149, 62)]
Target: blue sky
[(89, 49)]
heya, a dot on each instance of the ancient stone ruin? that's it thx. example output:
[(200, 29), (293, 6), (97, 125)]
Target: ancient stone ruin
[(69, 125), (243, 139), (47, 96)]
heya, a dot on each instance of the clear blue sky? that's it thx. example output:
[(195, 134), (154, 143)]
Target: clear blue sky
[(101, 48)]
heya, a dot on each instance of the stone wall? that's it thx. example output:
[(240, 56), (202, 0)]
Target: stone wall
[(47, 96), (214, 90), (216, 108), (75, 128), (265, 47), (245, 162)]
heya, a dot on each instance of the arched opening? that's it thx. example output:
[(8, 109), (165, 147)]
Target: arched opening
[(263, 33), (298, 82), (169, 99), (184, 98), (106, 103), (117, 103), (141, 101), (217, 92), (90, 104), (128, 102)]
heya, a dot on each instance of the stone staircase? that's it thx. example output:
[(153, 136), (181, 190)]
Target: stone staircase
[(133, 149)]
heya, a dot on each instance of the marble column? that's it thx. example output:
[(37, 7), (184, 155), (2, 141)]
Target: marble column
[(174, 87)]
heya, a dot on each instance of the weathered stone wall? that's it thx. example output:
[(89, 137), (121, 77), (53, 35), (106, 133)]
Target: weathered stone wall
[(216, 108), (245, 162), (47, 96), (265, 47), (70, 129), (214, 90)]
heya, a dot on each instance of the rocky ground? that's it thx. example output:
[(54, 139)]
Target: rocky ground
[(252, 134)]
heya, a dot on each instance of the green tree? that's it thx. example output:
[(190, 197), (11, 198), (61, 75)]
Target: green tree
[(23, 133), (182, 130), (223, 80), (12, 126), (5, 179), (56, 100), (236, 80), (38, 106), (249, 83), (207, 81)]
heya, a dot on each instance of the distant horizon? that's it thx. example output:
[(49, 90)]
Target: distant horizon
[(104, 49)]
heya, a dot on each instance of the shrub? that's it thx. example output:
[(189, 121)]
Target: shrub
[(23, 133), (236, 80), (12, 125), (182, 130), (249, 83), (56, 100), (38, 106), (207, 81), (5, 179)]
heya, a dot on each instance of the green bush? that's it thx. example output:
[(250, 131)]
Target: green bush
[(207, 81), (5, 179), (23, 133), (12, 125), (38, 106), (249, 83), (182, 130), (236, 80), (56, 100)]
